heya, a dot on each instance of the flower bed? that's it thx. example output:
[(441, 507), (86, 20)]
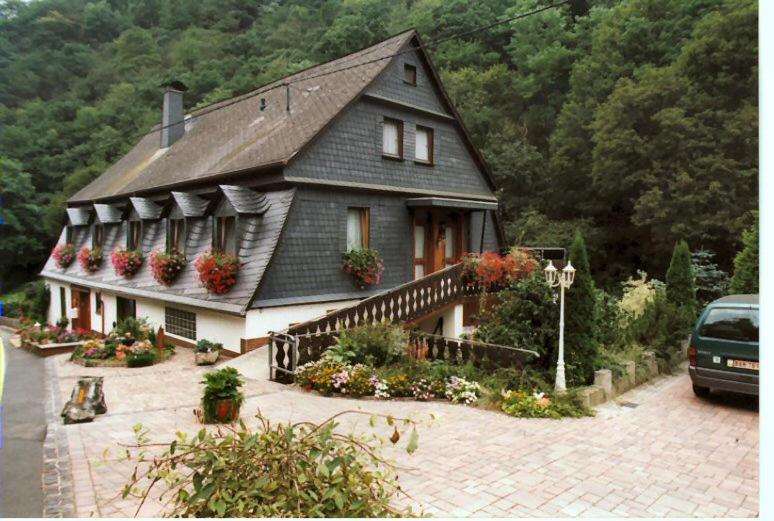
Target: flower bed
[(126, 262), (217, 271), (63, 254), (90, 259), (131, 344), (365, 266), (166, 266)]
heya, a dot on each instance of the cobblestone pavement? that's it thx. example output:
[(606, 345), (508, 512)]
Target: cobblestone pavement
[(657, 451)]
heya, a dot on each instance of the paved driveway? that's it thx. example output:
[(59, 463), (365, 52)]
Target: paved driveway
[(666, 453)]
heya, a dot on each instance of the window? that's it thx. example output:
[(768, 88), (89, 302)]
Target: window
[(125, 308), (358, 225), (98, 303), (392, 138), (731, 324), (69, 234), (424, 145), (133, 235), (97, 236), (225, 234), (419, 251), (62, 303), (176, 235), (180, 322), (409, 74)]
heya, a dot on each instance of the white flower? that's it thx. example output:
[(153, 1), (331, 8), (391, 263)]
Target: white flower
[(538, 396)]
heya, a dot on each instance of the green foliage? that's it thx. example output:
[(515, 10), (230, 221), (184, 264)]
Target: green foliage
[(279, 470), (580, 339), (525, 316), (137, 328), (746, 278), (661, 327), (373, 344), (711, 282), (525, 405), (205, 346), (31, 301), (143, 359), (222, 384), (680, 286)]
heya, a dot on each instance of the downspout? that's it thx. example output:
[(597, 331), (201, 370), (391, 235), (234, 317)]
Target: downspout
[(483, 229)]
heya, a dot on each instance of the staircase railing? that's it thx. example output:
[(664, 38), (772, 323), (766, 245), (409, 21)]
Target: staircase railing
[(307, 341)]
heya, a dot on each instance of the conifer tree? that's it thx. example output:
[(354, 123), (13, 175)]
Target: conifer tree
[(580, 345), (681, 287), (745, 279)]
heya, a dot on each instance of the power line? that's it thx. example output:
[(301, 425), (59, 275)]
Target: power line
[(286, 84)]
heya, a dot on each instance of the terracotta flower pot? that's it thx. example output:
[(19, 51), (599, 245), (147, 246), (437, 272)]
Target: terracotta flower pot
[(206, 358), (226, 411)]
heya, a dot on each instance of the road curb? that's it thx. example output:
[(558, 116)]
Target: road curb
[(58, 498)]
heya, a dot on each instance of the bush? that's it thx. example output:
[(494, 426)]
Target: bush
[(140, 359), (580, 334), (137, 328), (374, 345), (539, 405), (746, 262), (283, 470), (661, 327), (205, 346), (31, 300), (680, 286), (711, 282)]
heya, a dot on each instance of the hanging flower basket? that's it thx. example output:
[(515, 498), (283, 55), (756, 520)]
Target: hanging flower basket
[(489, 271), (365, 265), (126, 262), (90, 260), (166, 266), (217, 271), (63, 254)]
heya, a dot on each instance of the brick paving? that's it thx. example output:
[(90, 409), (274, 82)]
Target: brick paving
[(673, 455)]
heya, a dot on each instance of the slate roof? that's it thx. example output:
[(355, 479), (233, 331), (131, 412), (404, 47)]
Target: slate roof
[(239, 135), (145, 208), (108, 213), (244, 200), (78, 216), (191, 205), (258, 239)]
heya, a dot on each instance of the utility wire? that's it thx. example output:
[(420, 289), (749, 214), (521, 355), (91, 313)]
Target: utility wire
[(287, 84)]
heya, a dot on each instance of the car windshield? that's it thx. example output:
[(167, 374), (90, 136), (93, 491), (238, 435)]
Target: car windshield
[(731, 324)]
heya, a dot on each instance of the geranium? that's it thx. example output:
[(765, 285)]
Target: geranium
[(217, 271), (166, 266), (126, 262), (63, 254), (90, 260), (365, 265), (491, 272)]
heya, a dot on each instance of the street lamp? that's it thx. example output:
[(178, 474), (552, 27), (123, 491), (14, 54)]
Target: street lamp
[(564, 280)]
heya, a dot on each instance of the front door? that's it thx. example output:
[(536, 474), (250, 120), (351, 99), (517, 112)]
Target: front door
[(437, 241), (82, 302)]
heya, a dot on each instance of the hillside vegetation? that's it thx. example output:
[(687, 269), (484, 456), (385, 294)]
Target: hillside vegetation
[(636, 124)]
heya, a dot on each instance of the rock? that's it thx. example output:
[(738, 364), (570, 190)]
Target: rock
[(86, 401)]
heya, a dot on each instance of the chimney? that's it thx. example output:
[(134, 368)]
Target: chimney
[(172, 117)]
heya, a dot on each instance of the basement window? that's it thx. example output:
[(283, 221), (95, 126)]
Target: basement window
[(180, 322), (409, 74)]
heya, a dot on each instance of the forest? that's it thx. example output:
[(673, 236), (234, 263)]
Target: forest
[(635, 123)]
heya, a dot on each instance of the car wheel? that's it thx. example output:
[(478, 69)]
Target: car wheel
[(702, 392)]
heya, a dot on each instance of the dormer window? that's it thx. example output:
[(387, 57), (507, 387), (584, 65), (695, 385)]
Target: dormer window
[(133, 235), (409, 74), (225, 234), (392, 139), (176, 235)]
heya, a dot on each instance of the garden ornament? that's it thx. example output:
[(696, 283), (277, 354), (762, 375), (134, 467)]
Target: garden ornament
[(86, 401)]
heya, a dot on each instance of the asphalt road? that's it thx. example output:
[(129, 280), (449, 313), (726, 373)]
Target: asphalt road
[(24, 429)]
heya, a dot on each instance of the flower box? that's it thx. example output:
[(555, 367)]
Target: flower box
[(166, 266), (217, 271), (63, 254), (126, 262), (90, 259), (365, 266)]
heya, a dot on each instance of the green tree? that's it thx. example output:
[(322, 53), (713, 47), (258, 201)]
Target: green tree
[(746, 279), (580, 338), (680, 283)]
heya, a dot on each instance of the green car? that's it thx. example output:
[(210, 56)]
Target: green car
[(723, 353)]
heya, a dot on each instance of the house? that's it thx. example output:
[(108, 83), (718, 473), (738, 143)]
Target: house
[(365, 151)]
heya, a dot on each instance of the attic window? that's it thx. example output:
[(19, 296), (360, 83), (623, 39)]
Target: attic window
[(97, 236), (225, 234), (392, 139), (133, 235), (409, 74), (176, 235), (424, 145)]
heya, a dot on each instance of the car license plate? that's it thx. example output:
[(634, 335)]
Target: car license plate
[(743, 364)]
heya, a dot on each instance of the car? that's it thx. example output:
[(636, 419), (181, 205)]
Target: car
[(723, 351)]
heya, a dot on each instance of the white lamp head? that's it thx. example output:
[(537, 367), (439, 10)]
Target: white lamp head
[(568, 274), (551, 273)]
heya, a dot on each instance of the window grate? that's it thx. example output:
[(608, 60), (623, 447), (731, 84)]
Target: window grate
[(181, 323)]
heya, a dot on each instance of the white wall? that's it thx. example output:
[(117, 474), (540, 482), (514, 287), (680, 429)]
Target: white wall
[(261, 321), (54, 307)]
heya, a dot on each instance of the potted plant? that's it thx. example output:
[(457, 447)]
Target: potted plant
[(126, 262), (90, 259), (206, 352), (222, 398), (365, 265), (166, 266), (217, 271), (63, 254)]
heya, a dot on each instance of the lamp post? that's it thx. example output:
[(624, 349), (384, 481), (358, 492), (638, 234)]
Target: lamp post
[(564, 280)]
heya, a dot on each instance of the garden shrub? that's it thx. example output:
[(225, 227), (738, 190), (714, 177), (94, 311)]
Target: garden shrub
[(31, 301), (747, 261), (661, 327), (540, 405), (580, 335), (711, 282), (140, 359), (137, 328), (680, 286), (373, 344), (279, 470)]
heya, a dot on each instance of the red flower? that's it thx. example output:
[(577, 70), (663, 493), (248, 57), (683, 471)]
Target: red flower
[(364, 265), (63, 254), (90, 260), (126, 262), (166, 266), (491, 272), (217, 271)]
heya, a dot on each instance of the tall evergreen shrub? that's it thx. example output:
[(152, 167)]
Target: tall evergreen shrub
[(745, 279), (681, 287), (580, 339)]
